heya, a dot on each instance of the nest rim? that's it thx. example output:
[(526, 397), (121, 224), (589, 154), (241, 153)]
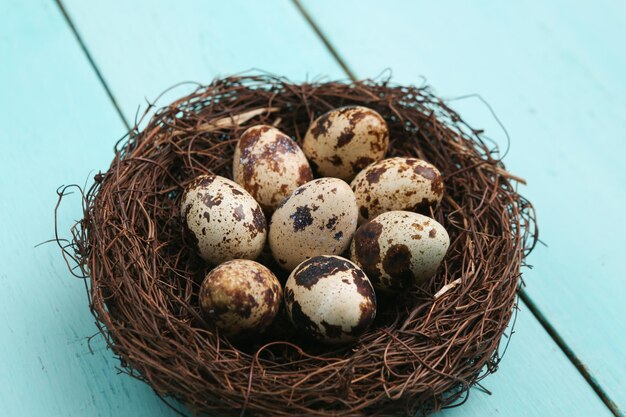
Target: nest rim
[(144, 276)]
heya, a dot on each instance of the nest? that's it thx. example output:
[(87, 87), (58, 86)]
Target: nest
[(427, 347)]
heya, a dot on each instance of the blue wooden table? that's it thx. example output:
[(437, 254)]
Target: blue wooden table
[(73, 73)]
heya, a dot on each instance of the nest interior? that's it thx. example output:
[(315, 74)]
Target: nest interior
[(428, 345)]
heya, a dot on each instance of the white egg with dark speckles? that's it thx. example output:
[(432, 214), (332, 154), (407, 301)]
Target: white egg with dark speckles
[(409, 184), (318, 218), (224, 220), (399, 249), (330, 299), (343, 141), (269, 165), (240, 296)]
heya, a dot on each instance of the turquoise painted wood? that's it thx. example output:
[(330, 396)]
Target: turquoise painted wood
[(52, 318), (524, 387), (554, 72), (56, 126), (144, 47)]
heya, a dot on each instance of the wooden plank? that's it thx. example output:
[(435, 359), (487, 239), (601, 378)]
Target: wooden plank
[(533, 380), (139, 53), (554, 72), (56, 125), (153, 45)]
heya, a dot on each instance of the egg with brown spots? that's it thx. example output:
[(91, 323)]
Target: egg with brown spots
[(318, 218), (409, 184), (330, 299), (224, 221), (342, 142), (269, 165), (399, 249), (240, 296)]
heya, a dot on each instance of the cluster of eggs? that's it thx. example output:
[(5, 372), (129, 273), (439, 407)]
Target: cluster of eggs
[(377, 221)]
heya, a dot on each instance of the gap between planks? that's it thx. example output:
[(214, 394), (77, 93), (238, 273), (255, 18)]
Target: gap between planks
[(569, 353), (342, 63), (83, 47)]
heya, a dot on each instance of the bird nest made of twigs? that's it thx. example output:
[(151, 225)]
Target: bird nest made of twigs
[(428, 345)]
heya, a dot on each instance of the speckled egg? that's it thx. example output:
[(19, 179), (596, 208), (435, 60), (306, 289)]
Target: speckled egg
[(342, 142), (330, 299), (399, 249), (318, 218), (240, 296), (269, 165), (223, 219), (397, 184)]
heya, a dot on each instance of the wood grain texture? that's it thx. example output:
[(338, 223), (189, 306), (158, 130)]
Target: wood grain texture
[(143, 47), (554, 73), (56, 125)]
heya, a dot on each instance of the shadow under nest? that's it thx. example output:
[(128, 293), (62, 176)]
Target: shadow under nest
[(427, 347)]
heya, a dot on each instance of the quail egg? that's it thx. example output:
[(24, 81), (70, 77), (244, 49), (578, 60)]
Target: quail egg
[(318, 218), (398, 249), (397, 184), (269, 165), (342, 142), (240, 296), (223, 219), (330, 299)]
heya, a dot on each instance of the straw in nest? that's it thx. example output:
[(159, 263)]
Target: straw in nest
[(426, 348)]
